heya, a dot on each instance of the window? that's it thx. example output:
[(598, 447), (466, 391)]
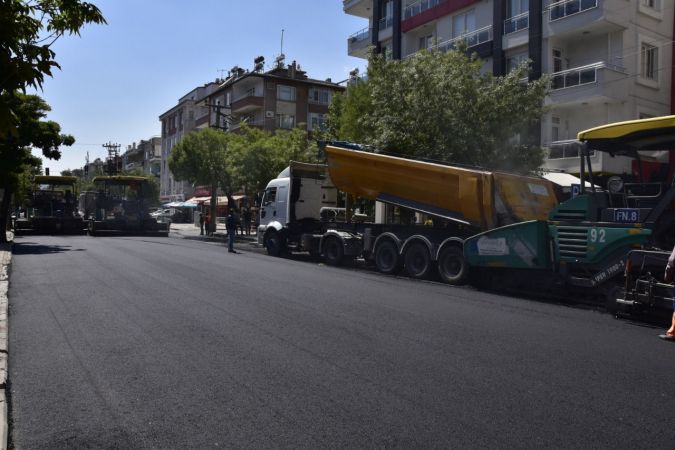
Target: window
[(426, 42), (286, 93), (228, 99), (649, 56), (270, 196), (555, 128), (316, 121), (516, 7), (321, 96), (654, 4), (285, 121), (512, 62), (463, 23), (557, 60)]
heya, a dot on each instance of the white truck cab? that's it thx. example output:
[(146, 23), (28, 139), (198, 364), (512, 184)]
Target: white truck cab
[(274, 206), (292, 203)]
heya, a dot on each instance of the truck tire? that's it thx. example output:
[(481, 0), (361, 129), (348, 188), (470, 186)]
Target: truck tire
[(333, 251), (452, 267), (386, 257), (274, 244), (417, 261)]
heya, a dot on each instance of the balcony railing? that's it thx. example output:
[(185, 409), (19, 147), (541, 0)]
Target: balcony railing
[(560, 10), (385, 22), (247, 94), (251, 123), (360, 35), (517, 23), (473, 38), (419, 7), (580, 75)]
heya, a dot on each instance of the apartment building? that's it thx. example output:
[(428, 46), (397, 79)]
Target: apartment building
[(146, 156), (188, 114), (608, 60), (281, 98)]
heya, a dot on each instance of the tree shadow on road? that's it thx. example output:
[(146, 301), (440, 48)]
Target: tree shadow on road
[(32, 248)]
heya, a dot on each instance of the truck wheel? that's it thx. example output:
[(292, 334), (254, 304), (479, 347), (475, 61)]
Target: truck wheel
[(274, 244), (452, 266), (417, 263), (386, 257), (333, 251)]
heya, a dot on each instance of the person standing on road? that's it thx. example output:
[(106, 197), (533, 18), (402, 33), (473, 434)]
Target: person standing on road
[(231, 226), (207, 224), (669, 277), (201, 224)]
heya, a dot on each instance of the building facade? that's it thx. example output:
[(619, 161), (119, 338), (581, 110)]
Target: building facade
[(189, 114), (281, 98), (608, 60), (146, 157)]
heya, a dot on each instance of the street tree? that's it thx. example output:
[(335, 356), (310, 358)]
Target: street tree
[(440, 106), (28, 29), (258, 156), (201, 158), (32, 131)]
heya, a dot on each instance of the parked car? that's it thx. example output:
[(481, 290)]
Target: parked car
[(162, 214)]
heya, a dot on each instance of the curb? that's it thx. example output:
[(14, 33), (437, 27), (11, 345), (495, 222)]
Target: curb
[(5, 262)]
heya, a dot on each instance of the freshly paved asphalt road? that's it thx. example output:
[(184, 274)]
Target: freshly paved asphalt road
[(133, 342)]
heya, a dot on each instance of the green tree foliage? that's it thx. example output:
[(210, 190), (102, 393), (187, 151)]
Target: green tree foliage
[(258, 156), (201, 158), (15, 151), (27, 31), (348, 113), (439, 106)]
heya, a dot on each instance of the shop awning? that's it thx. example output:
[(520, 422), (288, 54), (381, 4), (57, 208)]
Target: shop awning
[(222, 200)]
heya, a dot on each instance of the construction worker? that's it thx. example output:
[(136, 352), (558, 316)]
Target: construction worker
[(669, 277)]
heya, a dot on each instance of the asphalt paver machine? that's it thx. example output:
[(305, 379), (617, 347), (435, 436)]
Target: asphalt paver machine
[(120, 204), (51, 207)]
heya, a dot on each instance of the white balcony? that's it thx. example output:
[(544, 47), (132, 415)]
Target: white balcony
[(359, 8), (569, 8), (358, 43), (592, 83), (473, 38), (579, 18)]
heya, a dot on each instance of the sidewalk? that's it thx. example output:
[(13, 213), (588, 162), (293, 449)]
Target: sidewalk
[(190, 231), (5, 261)]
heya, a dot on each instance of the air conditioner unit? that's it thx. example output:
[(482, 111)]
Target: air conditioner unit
[(269, 113)]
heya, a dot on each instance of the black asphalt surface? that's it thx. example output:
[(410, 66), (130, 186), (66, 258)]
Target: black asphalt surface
[(144, 342)]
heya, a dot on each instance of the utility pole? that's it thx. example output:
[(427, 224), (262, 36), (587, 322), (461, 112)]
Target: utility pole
[(217, 108), (114, 162)]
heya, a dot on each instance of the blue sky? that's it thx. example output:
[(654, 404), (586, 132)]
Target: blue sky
[(117, 79)]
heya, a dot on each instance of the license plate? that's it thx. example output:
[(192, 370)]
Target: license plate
[(627, 215)]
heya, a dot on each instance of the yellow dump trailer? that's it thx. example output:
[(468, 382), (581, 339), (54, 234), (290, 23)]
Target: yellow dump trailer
[(481, 199), (299, 210)]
